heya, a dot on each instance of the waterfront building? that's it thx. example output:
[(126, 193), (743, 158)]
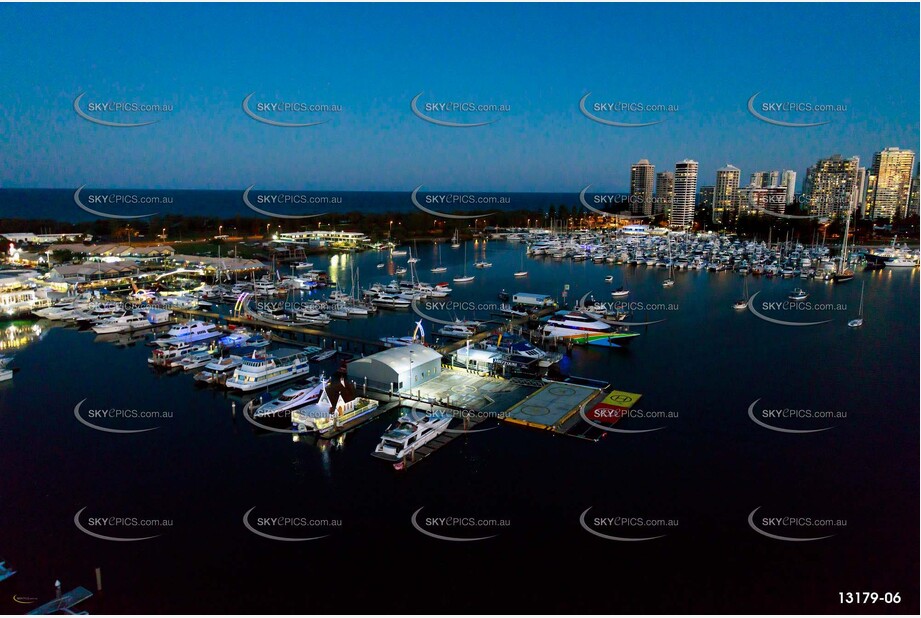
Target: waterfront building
[(681, 215), (889, 183), (395, 369), (642, 185), (726, 192), (665, 193), (831, 185)]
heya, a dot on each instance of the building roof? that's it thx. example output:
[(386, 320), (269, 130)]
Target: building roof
[(95, 268), (398, 358)]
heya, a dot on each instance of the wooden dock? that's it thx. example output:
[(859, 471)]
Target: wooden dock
[(299, 335)]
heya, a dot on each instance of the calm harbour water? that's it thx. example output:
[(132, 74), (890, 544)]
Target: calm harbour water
[(707, 469)]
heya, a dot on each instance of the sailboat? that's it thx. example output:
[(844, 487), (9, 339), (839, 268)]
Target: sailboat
[(621, 291), (439, 268), (465, 278), (743, 302), (858, 321), (522, 272), (844, 273), (455, 242), (669, 282), (483, 263), (413, 258)]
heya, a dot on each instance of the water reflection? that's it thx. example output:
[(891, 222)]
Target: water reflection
[(17, 334)]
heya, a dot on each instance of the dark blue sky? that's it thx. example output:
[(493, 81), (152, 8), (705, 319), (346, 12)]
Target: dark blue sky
[(539, 60)]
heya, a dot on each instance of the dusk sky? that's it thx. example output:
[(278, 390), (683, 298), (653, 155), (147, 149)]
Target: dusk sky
[(372, 60)]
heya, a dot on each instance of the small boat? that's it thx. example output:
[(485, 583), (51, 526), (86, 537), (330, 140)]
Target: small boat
[(5, 374), (400, 271), (455, 241), (304, 265), (322, 356), (620, 292), (256, 341), (482, 264), (390, 301), (668, 283), (410, 434), (195, 360), (858, 321), (459, 330), (381, 265), (609, 279), (217, 371), (798, 294)]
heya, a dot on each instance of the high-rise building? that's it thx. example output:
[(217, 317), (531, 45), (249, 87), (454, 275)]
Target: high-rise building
[(860, 210), (788, 180), (681, 215), (705, 196), (764, 179), (726, 192), (889, 183), (665, 192), (913, 196), (831, 185), (642, 184), (755, 200)]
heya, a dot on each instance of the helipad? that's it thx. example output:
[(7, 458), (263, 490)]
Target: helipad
[(550, 406)]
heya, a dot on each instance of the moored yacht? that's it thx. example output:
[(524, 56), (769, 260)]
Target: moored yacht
[(292, 398), (411, 433), (260, 371), (583, 328), (189, 332)]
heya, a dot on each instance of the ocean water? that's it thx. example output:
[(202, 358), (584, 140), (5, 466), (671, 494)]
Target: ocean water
[(59, 204), (704, 472)]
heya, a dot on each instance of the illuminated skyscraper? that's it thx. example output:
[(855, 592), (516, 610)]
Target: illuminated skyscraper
[(681, 216), (642, 183), (726, 192), (889, 183)]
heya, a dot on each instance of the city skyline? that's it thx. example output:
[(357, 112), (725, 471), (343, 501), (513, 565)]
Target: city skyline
[(369, 63)]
